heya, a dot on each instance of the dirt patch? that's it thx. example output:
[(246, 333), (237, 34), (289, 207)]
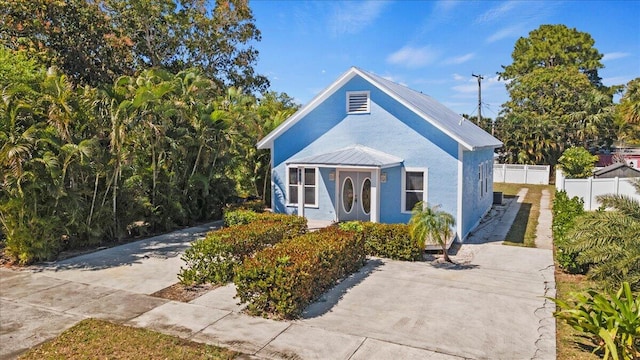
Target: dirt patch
[(184, 293)]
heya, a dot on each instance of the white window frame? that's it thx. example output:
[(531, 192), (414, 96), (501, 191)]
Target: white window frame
[(480, 187), (367, 110), (425, 179), (316, 173), (483, 178), (487, 176)]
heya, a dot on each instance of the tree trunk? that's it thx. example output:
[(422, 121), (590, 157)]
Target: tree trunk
[(93, 200), (193, 171), (445, 252)]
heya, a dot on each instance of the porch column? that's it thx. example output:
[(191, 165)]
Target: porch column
[(375, 196), (301, 191)]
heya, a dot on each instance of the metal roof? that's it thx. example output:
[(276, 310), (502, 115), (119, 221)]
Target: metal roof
[(451, 123), (356, 156), (454, 125)]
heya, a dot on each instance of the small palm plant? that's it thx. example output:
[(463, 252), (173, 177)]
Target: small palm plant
[(609, 241), (429, 222)]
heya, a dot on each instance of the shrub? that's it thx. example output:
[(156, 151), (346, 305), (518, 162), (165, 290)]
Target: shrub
[(239, 217), (243, 217), (577, 163), (391, 241), (253, 205), (213, 258), (613, 321), (282, 280), (565, 211), (351, 226)]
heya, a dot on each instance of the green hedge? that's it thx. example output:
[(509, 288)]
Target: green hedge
[(391, 241), (253, 205), (282, 280), (213, 258), (239, 217), (243, 217), (565, 211)]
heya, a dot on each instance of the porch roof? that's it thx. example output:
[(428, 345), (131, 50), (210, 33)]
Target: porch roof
[(352, 156)]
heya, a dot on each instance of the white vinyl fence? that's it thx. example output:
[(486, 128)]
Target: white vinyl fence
[(521, 174), (589, 189)]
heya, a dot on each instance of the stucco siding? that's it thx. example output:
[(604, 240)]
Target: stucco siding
[(475, 203), (390, 128)]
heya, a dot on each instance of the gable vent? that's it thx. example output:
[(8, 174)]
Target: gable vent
[(358, 102)]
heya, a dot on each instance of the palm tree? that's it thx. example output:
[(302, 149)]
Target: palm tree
[(429, 222), (609, 241)]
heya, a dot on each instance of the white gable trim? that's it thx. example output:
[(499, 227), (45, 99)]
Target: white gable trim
[(395, 96), (267, 142)]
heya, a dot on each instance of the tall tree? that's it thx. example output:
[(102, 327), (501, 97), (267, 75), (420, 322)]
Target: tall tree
[(555, 45), (74, 35), (556, 98), (180, 34), (628, 114)]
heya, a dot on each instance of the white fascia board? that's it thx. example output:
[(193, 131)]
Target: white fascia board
[(267, 141)]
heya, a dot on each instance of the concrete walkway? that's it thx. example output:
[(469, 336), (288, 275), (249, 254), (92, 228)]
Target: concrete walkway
[(489, 306), (544, 235)]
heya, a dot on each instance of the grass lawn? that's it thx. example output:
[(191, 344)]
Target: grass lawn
[(523, 230), (99, 339)]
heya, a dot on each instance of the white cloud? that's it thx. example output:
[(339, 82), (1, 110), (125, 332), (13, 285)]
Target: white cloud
[(616, 80), (458, 77), (460, 59), (466, 88), (497, 12), (413, 57), (353, 17), (444, 6), (508, 32), (471, 86), (614, 56)]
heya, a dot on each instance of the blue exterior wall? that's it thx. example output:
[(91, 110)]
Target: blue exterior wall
[(389, 127), (475, 205)]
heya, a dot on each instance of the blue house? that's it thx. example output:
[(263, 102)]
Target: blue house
[(366, 148)]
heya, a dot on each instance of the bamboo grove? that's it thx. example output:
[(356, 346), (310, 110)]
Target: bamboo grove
[(83, 166)]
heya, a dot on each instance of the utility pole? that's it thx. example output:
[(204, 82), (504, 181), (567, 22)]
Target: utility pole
[(480, 77)]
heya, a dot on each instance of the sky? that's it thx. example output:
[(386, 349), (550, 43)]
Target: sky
[(430, 46)]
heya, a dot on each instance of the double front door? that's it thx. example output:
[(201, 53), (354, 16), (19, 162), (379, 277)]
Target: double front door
[(354, 195)]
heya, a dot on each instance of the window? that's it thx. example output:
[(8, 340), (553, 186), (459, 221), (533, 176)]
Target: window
[(310, 188), (358, 102), (487, 176), (484, 176), (481, 179), (413, 189)]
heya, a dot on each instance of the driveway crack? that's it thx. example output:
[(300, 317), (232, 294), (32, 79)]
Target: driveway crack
[(546, 344)]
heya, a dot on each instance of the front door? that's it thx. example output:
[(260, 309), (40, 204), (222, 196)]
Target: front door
[(354, 196)]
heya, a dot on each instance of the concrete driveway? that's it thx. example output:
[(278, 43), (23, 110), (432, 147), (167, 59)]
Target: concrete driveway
[(489, 306)]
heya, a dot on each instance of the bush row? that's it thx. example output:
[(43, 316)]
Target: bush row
[(282, 280), (565, 211), (213, 258), (391, 241), (243, 217)]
